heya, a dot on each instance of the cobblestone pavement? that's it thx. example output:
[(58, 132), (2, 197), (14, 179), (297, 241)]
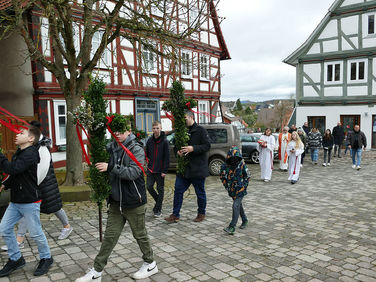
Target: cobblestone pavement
[(321, 229)]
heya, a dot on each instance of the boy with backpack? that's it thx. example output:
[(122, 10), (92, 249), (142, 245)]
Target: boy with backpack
[(235, 177), (25, 202)]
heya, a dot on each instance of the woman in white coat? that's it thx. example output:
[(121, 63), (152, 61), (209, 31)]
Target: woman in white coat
[(295, 149), (265, 147)]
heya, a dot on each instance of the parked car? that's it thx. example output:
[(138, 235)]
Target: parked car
[(249, 147), (221, 135)]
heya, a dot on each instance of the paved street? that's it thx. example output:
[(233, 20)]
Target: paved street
[(321, 229)]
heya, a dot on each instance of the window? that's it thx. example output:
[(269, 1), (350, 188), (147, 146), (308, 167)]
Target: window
[(204, 67), (193, 15), (149, 60), (371, 24), (357, 71), (105, 60), (203, 109), (186, 63), (60, 122), (333, 72), (217, 136)]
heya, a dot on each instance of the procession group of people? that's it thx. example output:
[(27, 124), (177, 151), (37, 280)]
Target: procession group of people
[(293, 144), (31, 166)]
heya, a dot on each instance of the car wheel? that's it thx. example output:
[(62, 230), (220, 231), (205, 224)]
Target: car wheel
[(255, 157), (215, 166)]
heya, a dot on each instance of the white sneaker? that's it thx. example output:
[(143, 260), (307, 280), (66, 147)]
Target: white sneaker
[(324, 164), (353, 166), (92, 275), (358, 167), (65, 232), (328, 164), (301, 165), (146, 270), (20, 245), (266, 180)]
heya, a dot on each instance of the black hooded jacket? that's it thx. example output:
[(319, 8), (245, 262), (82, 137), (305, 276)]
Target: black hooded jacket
[(22, 180), (158, 154)]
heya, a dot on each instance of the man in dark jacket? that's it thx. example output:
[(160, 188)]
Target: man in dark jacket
[(25, 202), (306, 128), (158, 157), (196, 171), (339, 136), (126, 203), (357, 143)]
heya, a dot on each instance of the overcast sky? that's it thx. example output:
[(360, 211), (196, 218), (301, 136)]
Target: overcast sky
[(260, 34)]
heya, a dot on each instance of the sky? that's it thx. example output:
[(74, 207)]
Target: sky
[(259, 35)]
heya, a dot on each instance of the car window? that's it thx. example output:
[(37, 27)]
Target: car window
[(247, 138), (217, 136)]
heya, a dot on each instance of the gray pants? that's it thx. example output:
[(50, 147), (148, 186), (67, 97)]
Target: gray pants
[(22, 224), (337, 147)]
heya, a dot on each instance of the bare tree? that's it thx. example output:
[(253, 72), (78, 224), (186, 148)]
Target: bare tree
[(281, 111), (72, 26)]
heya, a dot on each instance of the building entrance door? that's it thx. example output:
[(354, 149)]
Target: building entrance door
[(318, 122), (348, 122), (146, 114), (373, 131)]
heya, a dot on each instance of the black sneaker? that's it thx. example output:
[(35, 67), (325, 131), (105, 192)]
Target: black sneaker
[(11, 266), (43, 266), (229, 230), (244, 224)]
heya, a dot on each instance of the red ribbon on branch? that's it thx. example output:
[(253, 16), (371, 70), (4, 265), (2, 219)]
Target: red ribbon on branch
[(10, 117), (188, 104), (129, 153), (79, 125), (170, 117)]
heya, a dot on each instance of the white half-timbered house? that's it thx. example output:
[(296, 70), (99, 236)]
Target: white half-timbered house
[(29, 90), (336, 70)]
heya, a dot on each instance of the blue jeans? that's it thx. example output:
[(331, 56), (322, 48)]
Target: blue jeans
[(31, 213), (237, 208), (358, 153), (181, 185), (314, 154)]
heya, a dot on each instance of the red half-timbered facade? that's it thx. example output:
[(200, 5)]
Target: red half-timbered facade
[(134, 86)]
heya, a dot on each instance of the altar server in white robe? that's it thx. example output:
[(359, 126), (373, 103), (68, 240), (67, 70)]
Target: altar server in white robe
[(295, 149), (266, 146)]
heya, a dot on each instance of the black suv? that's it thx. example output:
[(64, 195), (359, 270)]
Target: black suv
[(221, 135)]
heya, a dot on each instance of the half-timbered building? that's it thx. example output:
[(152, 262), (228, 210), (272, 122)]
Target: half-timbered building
[(133, 86), (336, 69)]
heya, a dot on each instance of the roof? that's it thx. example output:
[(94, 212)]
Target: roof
[(225, 55), (293, 58), (4, 4)]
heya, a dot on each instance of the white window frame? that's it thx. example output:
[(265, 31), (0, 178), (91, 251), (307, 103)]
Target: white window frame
[(365, 74), (203, 108), (149, 61), (366, 20), (204, 67), (57, 103), (105, 60), (186, 64), (333, 64)]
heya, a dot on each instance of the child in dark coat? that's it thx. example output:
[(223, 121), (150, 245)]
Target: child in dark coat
[(235, 177)]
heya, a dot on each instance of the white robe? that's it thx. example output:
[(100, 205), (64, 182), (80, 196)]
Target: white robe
[(266, 156), (283, 165), (294, 160)]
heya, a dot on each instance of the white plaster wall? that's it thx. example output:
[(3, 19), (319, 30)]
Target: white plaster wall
[(330, 30), (166, 124), (346, 45), (129, 57), (333, 91), (204, 37), (357, 90), (204, 86), (125, 42), (315, 49), (213, 40), (187, 85), (126, 107), (333, 113), (369, 42), (330, 46), (349, 25), (309, 91), (313, 71)]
